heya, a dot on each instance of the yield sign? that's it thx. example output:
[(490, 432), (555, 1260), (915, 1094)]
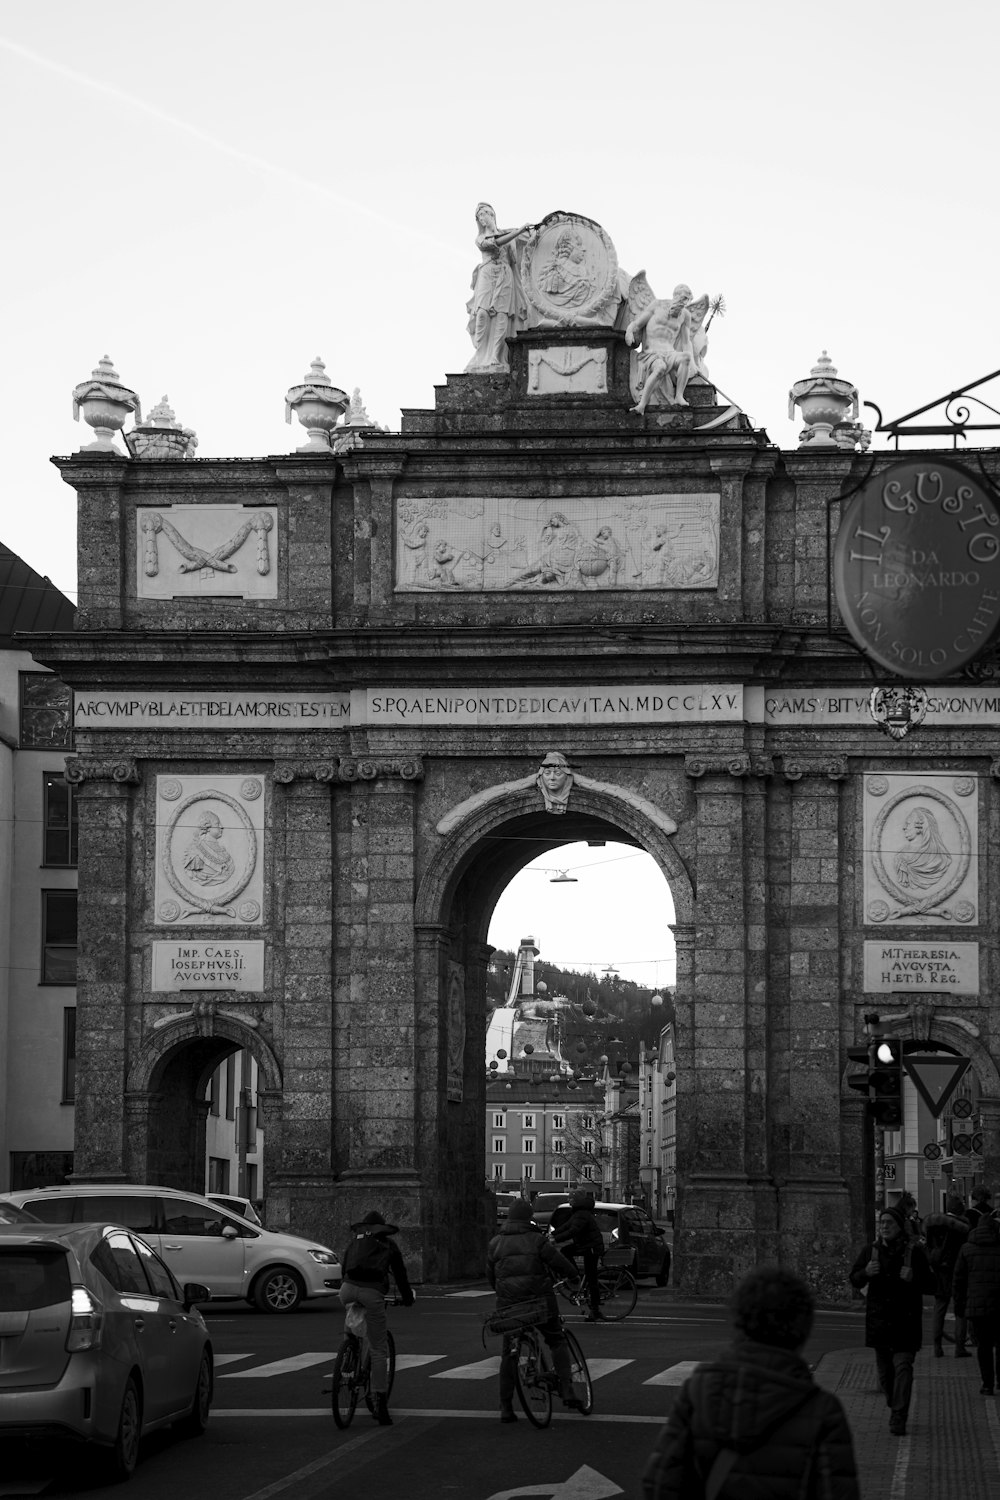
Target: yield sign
[(936, 1078)]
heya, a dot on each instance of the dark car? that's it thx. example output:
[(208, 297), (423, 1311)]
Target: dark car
[(621, 1224), (99, 1343), (11, 1214)]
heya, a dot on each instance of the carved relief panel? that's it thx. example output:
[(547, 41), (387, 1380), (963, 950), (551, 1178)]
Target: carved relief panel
[(210, 851), (187, 550), (921, 864), (492, 544)]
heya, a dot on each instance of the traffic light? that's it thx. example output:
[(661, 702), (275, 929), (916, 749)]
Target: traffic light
[(885, 1084), (859, 1081)]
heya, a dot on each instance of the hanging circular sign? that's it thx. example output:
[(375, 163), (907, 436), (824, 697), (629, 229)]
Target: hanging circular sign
[(962, 1109), (916, 568), (961, 1144), (977, 1142), (932, 1151)]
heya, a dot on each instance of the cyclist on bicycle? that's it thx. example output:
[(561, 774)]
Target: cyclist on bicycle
[(580, 1234), (521, 1264), (368, 1262)]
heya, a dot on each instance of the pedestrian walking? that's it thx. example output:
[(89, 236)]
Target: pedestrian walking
[(368, 1262), (580, 1235), (944, 1236), (754, 1425), (977, 1296), (521, 1265), (981, 1205), (896, 1276)]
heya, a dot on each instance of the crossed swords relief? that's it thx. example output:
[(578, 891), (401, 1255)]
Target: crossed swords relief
[(196, 558)]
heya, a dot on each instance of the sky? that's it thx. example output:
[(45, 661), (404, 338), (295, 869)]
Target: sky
[(215, 194)]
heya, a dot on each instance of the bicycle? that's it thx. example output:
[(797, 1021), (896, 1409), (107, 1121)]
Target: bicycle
[(617, 1284), (535, 1375), (352, 1370)]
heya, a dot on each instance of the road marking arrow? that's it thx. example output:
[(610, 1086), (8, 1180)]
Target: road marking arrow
[(585, 1484)]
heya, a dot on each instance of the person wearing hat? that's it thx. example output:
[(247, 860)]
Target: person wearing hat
[(368, 1262), (521, 1265), (895, 1274)]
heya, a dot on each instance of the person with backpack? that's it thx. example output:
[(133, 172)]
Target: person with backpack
[(977, 1296), (895, 1275), (368, 1262), (580, 1234), (944, 1235), (754, 1424)]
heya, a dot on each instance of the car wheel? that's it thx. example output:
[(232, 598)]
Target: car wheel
[(196, 1420), (119, 1464), (664, 1271), (278, 1291)]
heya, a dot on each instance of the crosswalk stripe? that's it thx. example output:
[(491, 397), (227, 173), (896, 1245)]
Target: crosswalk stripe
[(230, 1359), (411, 1361), (599, 1367), (483, 1369), (675, 1374), (282, 1366), (487, 1292)]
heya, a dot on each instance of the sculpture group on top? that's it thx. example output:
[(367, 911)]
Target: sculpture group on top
[(564, 273)]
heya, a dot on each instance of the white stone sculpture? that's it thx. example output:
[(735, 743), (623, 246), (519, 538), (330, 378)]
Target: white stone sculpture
[(211, 536), (570, 273), (555, 782), (673, 343), (829, 407), (105, 404), (161, 435), (319, 406), (209, 869), (920, 840), (497, 307)]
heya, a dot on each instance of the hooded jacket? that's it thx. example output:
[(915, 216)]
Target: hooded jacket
[(894, 1306), (791, 1437), (977, 1273), (522, 1262)]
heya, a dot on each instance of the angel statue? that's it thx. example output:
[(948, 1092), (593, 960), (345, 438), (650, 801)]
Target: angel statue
[(673, 342), (497, 307)]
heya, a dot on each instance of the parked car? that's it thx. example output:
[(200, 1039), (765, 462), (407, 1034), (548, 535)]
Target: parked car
[(504, 1201), (199, 1241), (11, 1214), (241, 1206), (99, 1342), (624, 1224)]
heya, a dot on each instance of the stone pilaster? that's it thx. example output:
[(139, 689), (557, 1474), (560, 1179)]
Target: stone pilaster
[(100, 526), (731, 469), (104, 802), (817, 477), (989, 1113), (373, 476), (308, 573)]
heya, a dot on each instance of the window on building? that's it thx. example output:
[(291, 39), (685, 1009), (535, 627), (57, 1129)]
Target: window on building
[(46, 712), (649, 1119), (649, 1153), (588, 1147), (500, 1120), (34, 1169), (558, 1122), (251, 1182), (557, 1144), (69, 1055), (218, 1174), (527, 1144), (588, 1172), (59, 821), (231, 1086), (529, 1172), (559, 1173), (498, 1170), (499, 1145), (58, 937), (528, 1122), (586, 1122)]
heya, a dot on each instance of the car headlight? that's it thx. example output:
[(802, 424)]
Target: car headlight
[(325, 1257)]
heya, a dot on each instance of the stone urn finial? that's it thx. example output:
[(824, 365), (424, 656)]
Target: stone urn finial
[(319, 405), (105, 404), (161, 435), (826, 403)]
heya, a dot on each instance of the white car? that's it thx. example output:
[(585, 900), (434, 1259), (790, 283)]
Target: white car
[(241, 1206), (199, 1241)]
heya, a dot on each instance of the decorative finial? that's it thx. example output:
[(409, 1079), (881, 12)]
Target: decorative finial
[(105, 404), (319, 405), (161, 435), (830, 409)]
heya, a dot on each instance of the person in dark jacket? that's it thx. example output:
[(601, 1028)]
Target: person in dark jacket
[(580, 1234), (897, 1275), (977, 1296), (368, 1262), (754, 1424), (981, 1206), (521, 1265), (944, 1236)]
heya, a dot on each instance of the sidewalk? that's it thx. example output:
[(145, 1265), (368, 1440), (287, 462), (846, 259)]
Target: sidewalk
[(952, 1446)]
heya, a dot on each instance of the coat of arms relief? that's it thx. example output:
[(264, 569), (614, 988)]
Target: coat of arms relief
[(921, 864), (210, 843)]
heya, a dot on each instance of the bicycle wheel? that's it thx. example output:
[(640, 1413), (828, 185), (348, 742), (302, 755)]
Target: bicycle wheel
[(618, 1294), (582, 1387), (534, 1378), (344, 1396), (390, 1345)]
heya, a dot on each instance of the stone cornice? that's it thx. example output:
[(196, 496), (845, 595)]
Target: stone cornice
[(349, 768), (834, 767), (81, 768), (735, 765)]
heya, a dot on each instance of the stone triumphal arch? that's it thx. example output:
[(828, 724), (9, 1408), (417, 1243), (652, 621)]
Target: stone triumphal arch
[(327, 704)]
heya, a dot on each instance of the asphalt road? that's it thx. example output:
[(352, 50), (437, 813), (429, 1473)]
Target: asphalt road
[(271, 1436)]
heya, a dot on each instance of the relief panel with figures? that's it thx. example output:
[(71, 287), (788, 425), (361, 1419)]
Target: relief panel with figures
[(921, 864), (490, 545), (210, 851)]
